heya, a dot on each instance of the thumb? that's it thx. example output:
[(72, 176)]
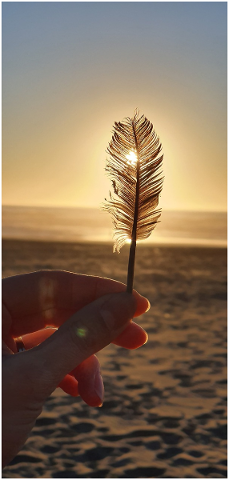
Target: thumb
[(83, 334)]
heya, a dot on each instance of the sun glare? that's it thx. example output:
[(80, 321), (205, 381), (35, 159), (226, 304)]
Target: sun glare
[(132, 158)]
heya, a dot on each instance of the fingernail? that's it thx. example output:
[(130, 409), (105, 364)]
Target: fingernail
[(149, 305), (98, 387), (142, 298), (118, 309), (147, 338)]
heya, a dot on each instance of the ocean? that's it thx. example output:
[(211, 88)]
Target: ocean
[(93, 225)]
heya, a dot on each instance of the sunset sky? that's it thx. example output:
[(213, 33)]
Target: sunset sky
[(71, 69)]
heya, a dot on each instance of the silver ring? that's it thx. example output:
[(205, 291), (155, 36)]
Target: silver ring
[(20, 345)]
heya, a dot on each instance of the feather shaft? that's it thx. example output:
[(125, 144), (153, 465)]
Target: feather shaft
[(130, 273)]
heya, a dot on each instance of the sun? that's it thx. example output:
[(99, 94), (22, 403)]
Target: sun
[(132, 158)]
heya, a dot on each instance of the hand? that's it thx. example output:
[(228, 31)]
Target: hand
[(86, 314)]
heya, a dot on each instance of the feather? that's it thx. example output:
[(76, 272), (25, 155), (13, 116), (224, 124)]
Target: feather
[(134, 168)]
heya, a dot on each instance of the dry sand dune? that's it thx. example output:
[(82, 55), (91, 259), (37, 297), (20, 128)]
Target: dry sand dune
[(164, 413)]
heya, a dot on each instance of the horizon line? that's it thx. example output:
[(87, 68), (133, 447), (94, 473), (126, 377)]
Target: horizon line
[(98, 209)]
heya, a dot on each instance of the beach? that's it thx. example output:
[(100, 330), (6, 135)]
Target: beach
[(164, 411)]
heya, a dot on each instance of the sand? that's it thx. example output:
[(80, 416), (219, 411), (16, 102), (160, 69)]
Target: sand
[(164, 414)]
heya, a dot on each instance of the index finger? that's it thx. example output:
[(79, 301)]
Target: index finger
[(49, 298)]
